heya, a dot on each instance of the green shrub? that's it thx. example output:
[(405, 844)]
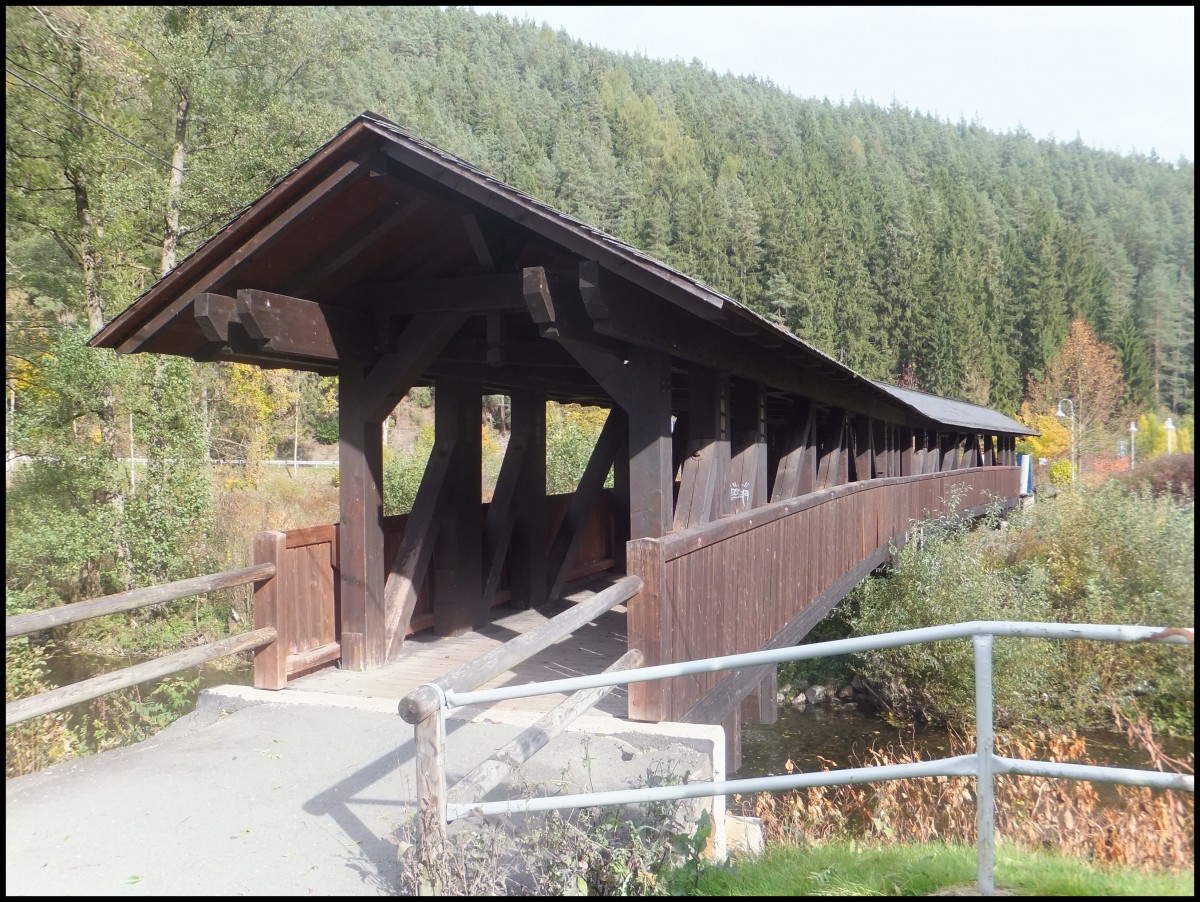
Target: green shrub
[(1102, 555), (402, 474), (326, 432)]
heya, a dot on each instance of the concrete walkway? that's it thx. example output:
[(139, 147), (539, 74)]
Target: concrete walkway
[(290, 793)]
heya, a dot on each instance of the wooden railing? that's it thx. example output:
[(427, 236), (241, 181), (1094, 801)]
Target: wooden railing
[(85, 690), (761, 579)]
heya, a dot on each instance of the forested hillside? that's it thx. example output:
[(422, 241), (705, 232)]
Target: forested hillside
[(907, 247)]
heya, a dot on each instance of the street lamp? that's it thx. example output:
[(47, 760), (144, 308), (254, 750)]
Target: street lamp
[(1132, 444), (1059, 413), (1170, 427)]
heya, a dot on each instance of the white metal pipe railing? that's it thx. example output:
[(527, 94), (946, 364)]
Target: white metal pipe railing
[(1104, 633), (984, 765)]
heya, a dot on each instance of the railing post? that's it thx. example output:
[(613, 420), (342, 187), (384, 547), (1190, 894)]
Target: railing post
[(270, 609), (430, 734), (985, 802)]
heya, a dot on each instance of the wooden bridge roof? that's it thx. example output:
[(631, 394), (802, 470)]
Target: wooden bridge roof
[(378, 227)]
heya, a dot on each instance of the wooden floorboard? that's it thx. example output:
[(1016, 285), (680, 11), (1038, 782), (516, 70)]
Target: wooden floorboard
[(426, 657)]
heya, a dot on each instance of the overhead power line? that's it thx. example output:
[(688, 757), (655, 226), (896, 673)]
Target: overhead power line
[(117, 134)]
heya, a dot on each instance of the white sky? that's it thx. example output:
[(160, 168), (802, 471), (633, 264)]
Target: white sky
[(1122, 78)]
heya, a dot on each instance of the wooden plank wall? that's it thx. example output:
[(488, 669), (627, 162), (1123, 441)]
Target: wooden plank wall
[(727, 587), (304, 608)]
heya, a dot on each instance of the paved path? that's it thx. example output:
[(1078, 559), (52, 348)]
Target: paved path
[(253, 794)]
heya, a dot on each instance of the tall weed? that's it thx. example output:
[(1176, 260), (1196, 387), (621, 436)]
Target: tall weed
[(1147, 828)]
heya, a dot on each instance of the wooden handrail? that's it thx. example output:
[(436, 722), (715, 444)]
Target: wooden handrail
[(422, 702), (23, 624), (686, 541), (488, 775), (65, 696)]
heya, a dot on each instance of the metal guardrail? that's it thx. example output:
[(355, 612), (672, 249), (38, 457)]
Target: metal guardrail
[(985, 765)]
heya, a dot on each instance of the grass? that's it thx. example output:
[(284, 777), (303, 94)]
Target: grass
[(854, 869)]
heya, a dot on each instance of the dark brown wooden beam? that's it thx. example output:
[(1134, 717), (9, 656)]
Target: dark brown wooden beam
[(458, 556), (908, 458), (479, 242), (529, 544), (297, 328), (832, 461), (650, 473), (360, 534), (862, 453), (211, 280), (748, 453), (970, 454), (949, 445), (881, 437), (502, 512), (397, 372), (706, 466), (408, 569)]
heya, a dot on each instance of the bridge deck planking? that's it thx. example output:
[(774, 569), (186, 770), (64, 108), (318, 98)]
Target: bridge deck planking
[(427, 657)]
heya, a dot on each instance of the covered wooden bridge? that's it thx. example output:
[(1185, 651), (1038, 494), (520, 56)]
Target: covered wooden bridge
[(756, 480)]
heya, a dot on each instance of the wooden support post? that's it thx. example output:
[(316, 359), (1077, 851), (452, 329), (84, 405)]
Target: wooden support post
[(797, 471), (707, 462), (620, 506), (970, 457), (908, 459), (360, 497), (762, 704), (748, 458), (732, 725), (933, 448), (529, 543), (648, 701), (458, 557), (881, 435), (843, 470), (949, 451), (863, 456), (650, 486), (829, 438), (989, 450), (272, 598), (834, 468), (431, 804)]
